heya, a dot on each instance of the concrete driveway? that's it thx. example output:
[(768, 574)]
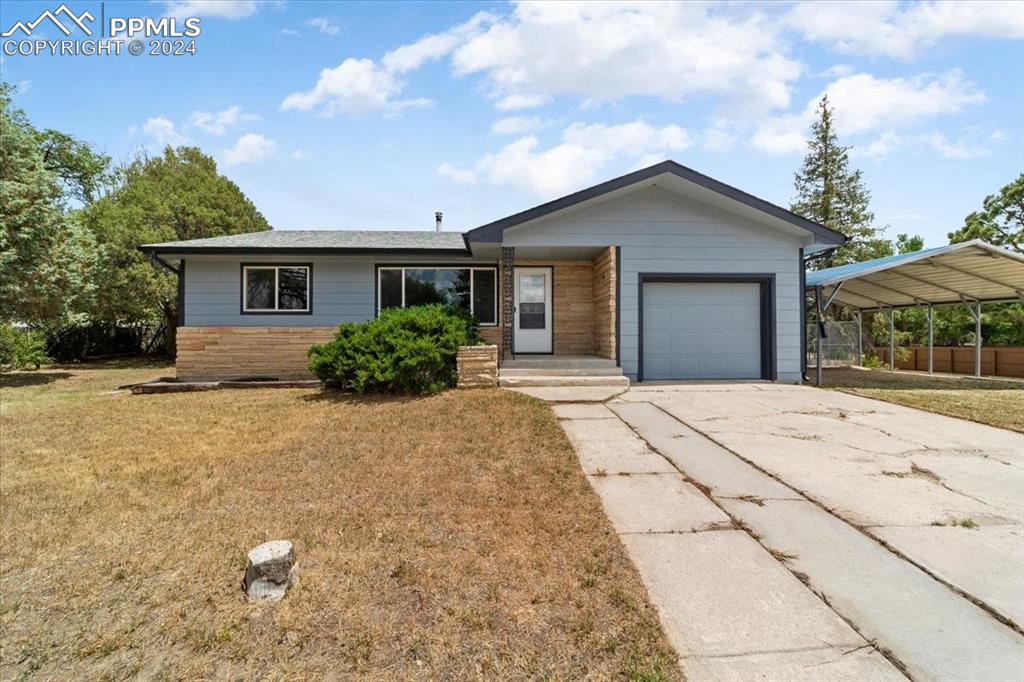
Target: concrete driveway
[(792, 533)]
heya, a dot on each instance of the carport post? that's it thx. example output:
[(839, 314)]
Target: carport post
[(977, 339), (860, 337), (892, 340), (818, 325), (931, 344)]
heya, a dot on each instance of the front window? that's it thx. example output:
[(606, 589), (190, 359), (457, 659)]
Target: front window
[(275, 289), (472, 289)]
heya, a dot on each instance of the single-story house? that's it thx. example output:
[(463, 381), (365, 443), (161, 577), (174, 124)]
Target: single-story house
[(669, 273)]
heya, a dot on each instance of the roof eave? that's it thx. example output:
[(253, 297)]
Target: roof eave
[(297, 250), (492, 232)]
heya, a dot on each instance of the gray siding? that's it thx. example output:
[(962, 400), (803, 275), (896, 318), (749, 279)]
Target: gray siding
[(662, 232), (343, 289)]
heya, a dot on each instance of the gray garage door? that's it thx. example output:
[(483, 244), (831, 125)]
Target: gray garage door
[(701, 330)]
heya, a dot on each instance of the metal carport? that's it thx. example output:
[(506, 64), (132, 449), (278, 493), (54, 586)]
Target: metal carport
[(969, 274)]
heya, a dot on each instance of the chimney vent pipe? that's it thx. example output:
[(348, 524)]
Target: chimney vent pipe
[(438, 217)]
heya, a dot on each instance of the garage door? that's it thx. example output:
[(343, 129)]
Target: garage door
[(701, 330)]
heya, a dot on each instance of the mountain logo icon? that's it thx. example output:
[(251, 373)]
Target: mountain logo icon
[(54, 18)]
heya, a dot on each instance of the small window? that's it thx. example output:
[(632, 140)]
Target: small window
[(473, 289), (391, 288), (275, 289), (485, 298)]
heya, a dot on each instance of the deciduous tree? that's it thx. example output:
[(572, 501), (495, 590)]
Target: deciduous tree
[(1000, 221), (177, 195)]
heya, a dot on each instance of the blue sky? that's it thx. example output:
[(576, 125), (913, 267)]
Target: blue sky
[(372, 115)]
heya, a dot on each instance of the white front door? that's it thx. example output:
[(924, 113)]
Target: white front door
[(533, 310)]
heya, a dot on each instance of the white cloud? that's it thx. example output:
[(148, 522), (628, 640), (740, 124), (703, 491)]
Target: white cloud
[(599, 52), (902, 30), (249, 148), (354, 87), (299, 154), (161, 132), (459, 175), (291, 32), (837, 71), (434, 46), (218, 122), (584, 151), (608, 51), (516, 125), (224, 9), (324, 25), (521, 101), (23, 86), (864, 103), (719, 139), (967, 145)]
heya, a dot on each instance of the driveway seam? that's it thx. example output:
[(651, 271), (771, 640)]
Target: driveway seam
[(861, 529), (823, 647), (740, 525)]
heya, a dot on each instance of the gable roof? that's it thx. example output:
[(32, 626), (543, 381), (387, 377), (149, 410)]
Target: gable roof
[(492, 232), (321, 241)]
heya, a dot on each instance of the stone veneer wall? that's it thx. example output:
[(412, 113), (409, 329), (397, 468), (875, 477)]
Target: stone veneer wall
[(492, 335), (221, 353), (506, 290), (604, 303), (573, 305), (477, 366)]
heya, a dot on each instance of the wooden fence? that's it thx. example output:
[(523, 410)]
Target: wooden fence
[(1001, 361)]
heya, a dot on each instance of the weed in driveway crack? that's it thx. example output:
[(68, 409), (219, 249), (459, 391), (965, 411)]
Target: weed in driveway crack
[(779, 555)]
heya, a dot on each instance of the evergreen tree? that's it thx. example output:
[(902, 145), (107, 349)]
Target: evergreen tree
[(830, 193), (46, 257)]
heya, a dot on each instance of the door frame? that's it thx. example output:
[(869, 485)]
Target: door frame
[(769, 358), (515, 306)]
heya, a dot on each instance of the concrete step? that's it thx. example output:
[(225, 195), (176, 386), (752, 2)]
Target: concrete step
[(543, 380), (560, 372), (556, 362)]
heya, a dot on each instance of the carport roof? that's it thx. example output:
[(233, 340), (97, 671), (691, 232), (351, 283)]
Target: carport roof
[(969, 272)]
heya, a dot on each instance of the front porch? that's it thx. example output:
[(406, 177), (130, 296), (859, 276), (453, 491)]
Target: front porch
[(558, 303)]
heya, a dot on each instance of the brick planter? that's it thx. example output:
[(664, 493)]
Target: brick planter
[(477, 366)]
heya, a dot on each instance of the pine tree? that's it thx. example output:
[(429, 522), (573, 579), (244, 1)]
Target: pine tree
[(830, 193)]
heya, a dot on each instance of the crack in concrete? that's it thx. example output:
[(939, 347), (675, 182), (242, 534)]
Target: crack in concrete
[(933, 478), (714, 527), (862, 529), (741, 525), (839, 648)]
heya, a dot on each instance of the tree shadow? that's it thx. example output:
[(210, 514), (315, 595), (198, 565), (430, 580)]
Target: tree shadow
[(338, 396), (21, 379), (132, 362)]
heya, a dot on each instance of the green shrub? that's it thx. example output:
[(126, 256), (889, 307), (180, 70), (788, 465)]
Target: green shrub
[(21, 348), (405, 350), (872, 361)]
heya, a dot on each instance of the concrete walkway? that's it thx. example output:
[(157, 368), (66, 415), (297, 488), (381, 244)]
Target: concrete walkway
[(755, 579)]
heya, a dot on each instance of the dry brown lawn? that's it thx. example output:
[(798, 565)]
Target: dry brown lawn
[(449, 537), (989, 401)]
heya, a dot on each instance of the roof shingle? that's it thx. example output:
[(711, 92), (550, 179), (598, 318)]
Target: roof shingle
[(376, 240)]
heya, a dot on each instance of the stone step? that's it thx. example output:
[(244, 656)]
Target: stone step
[(548, 380), (556, 362), (505, 371)]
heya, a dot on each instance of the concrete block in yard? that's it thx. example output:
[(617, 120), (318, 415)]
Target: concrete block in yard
[(270, 571)]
